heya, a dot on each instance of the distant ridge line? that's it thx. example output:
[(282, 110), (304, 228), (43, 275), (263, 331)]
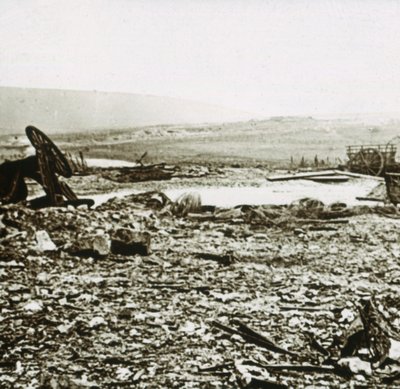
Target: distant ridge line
[(65, 110)]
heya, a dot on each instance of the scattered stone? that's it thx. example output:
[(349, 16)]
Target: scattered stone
[(102, 244), (33, 306), (44, 242), (71, 315), (93, 246), (126, 241), (97, 321), (356, 365)]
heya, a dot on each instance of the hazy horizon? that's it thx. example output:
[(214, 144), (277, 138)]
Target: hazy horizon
[(62, 109), (270, 58), (251, 115)]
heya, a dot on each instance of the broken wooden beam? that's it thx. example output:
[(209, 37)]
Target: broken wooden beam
[(252, 337), (226, 259), (299, 176), (299, 368), (322, 173), (306, 368), (329, 179), (358, 175), (323, 221), (370, 199)]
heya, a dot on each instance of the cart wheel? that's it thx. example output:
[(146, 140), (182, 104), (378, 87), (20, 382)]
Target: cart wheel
[(368, 161), (41, 141)]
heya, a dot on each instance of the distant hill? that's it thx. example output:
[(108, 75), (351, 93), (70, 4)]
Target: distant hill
[(65, 110)]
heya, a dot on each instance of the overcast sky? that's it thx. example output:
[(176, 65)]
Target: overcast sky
[(269, 57)]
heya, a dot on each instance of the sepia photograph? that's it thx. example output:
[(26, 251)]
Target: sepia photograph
[(199, 194)]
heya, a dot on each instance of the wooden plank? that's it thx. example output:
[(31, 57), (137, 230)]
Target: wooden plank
[(324, 179), (299, 176), (358, 175), (369, 199), (323, 221)]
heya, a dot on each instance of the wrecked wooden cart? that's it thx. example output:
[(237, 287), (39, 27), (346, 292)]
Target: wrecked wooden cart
[(44, 167), (373, 160)]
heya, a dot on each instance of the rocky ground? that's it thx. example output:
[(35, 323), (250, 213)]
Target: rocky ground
[(176, 307)]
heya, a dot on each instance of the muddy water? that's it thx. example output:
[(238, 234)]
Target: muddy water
[(271, 193), (100, 162), (280, 193), (277, 193)]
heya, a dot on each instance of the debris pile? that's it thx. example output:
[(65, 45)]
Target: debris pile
[(133, 294), (368, 347), (155, 172), (139, 173)]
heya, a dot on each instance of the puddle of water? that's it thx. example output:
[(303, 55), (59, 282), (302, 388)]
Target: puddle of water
[(280, 193), (99, 162), (272, 193)]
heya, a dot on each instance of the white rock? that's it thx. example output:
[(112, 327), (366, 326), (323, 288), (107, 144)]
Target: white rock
[(347, 316), (123, 373), (33, 306), (83, 382), (394, 351), (294, 322), (134, 332), (97, 321), (43, 277), (189, 327), (102, 244), (44, 242), (356, 365), (226, 297), (18, 368)]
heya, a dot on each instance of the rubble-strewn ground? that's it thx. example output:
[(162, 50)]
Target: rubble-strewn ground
[(69, 321)]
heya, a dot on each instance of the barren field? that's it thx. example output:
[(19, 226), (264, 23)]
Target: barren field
[(145, 291), (270, 142)]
